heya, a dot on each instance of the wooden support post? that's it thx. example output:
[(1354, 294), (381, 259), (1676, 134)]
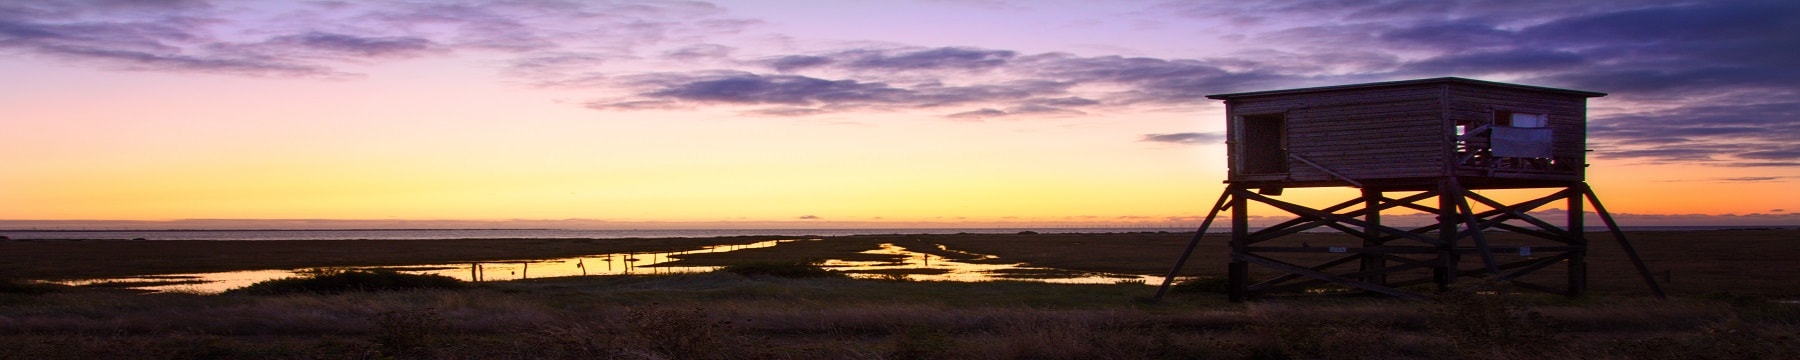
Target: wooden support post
[(1239, 271), (1446, 270), (1457, 219), (1198, 234), (1372, 238), (1468, 216), (1577, 242)]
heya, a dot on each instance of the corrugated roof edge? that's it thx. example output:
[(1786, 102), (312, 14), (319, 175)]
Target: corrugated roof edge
[(1401, 83)]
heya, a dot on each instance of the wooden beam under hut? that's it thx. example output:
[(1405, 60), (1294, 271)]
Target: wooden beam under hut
[(1424, 145), (1389, 260)]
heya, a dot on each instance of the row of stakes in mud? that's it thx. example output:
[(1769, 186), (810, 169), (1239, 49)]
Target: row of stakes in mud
[(478, 274)]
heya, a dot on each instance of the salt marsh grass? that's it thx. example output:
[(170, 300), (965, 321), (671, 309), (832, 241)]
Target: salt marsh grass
[(725, 315)]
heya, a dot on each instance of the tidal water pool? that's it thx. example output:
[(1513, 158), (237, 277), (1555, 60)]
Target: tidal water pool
[(910, 265)]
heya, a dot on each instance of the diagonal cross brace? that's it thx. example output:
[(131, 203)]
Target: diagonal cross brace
[(1308, 222), (1304, 211), (1198, 234), (1520, 210), (1620, 234)]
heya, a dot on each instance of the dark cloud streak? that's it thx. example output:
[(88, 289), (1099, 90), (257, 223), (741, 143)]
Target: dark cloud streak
[(824, 95), (1188, 138), (57, 30), (938, 58), (314, 39), (888, 79), (358, 46), (775, 89), (1755, 134)]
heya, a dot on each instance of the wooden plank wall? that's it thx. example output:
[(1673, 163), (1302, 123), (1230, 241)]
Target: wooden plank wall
[(1377, 133), (1568, 116), (1568, 113)]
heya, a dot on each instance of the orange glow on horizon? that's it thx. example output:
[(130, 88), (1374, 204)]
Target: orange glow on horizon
[(412, 145)]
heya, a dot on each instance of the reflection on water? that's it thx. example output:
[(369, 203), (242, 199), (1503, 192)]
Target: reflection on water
[(206, 283), (927, 267), (911, 266), (603, 264)]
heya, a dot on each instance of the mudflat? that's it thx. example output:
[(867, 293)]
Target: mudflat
[(1701, 262)]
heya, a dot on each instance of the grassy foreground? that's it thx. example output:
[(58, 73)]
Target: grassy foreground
[(728, 316), (1732, 301)]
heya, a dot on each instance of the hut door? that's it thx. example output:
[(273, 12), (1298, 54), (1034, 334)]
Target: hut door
[(1263, 144)]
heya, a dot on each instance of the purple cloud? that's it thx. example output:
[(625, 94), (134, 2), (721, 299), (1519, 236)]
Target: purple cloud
[(1188, 138), (358, 46)]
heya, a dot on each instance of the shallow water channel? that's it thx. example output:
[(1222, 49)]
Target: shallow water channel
[(910, 266)]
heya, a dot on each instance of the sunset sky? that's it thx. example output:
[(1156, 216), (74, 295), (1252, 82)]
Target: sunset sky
[(909, 113)]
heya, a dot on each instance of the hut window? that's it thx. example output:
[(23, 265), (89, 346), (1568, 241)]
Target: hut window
[(1520, 119), (1263, 144), (1521, 135)]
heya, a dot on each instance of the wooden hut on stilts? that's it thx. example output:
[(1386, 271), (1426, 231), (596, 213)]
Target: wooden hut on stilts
[(1421, 145)]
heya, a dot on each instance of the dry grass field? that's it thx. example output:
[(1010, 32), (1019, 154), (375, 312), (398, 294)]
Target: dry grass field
[(1731, 299)]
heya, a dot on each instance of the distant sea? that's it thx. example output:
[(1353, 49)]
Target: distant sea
[(442, 234)]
